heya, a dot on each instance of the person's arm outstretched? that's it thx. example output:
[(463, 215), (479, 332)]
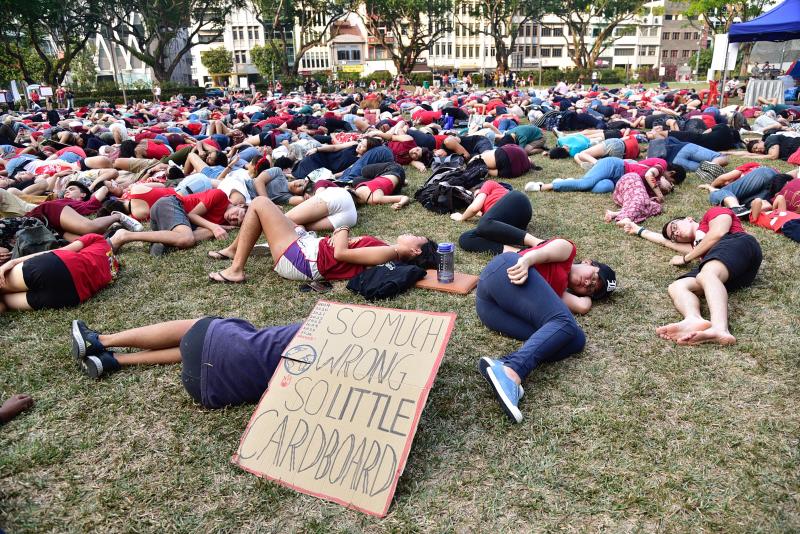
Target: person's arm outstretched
[(632, 228), (472, 210), (555, 251), (717, 228)]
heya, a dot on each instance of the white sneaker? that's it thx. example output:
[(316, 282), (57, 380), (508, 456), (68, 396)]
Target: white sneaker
[(533, 187), (128, 222)]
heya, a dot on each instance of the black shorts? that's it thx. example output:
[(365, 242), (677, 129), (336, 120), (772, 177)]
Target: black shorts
[(741, 255), (167, 213), (49, 283), (502, 162), (192, 357)]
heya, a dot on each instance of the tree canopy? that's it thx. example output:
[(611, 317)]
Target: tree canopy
[(218, 61)]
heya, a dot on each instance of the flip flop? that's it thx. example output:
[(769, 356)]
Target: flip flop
[(216, 255), (223, 280)]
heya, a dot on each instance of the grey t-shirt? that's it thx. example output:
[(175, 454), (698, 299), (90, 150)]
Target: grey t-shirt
[(278, 186)]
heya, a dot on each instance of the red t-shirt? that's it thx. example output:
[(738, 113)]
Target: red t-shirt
[(556, 274), (774, 220), (641, 167), (194, 128), (494, 192), (791, 192), (151, 196), (215, 201), (631, 148), (747, 167), (426, 117), (74, 149), (93, 267), (713, 213), (331, 269), (709, 120), (400, 150), (494, 103), (157, 150)]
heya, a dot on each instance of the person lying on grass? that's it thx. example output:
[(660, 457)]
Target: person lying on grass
[(381, 183), (504, 219), (225, 362), (729, 260), (180, 222), (531, 296), (302, 256), (58, 278)]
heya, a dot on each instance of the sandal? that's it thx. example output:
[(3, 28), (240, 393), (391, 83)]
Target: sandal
[(219, 278), (217, 255)]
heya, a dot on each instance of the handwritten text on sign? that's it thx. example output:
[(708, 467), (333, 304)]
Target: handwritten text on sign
[(340, 413)]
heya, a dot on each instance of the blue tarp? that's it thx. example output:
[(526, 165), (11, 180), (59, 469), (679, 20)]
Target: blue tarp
[(794, 70), (780, 23)]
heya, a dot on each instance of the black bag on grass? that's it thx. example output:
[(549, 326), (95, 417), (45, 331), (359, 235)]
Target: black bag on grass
[(385, 281), (33, 239), (449, 190)]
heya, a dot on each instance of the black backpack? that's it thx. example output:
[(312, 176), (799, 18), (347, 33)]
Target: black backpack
[(385, 281), (450, 190)]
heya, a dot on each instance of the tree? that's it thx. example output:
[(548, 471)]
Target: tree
[(218, 61), (720, 14), (315, 18), (83, 70), (705, 61), (267, 58), (54, 30), (161, 32), (597, 19), (10, 68), (501, 21), (402, 27)]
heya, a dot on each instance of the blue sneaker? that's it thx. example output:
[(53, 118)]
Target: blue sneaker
[(85, 341), (505, 390), (102, 364)]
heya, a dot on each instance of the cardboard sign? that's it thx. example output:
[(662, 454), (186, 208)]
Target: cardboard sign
[(341, 410)]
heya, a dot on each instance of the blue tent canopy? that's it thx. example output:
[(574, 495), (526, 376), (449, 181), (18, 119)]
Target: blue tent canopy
[(780, 23)]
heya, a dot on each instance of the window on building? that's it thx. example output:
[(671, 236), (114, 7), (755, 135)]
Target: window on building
[(256, 33), (651, 51), (546, 31), (351, 53), (557, 52), (624, 51), (666, 36), (240, 56), (667, 17), (534, 30), (676, 36), (673, 53), (250, 32), (545, 52), (665, 54), (450, 49), (696, 36), (686, 53), (687, 36), (595, 32), (558, 31)]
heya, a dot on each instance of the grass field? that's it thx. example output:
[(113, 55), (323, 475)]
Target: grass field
[(634, 434)]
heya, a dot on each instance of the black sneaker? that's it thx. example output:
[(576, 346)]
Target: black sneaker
[(102, 364), (741, 211), (85, 341)]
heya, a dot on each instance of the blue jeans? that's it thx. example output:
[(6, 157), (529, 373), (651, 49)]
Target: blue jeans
[(531, 312), (754, 184), (379, 154), (506, 124), (601, 178), (194, 183), (691, 156)]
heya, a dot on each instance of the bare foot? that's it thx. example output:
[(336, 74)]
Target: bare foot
[(675, 331), (709, 335), (609, 216), (403, 202), (14, 406)]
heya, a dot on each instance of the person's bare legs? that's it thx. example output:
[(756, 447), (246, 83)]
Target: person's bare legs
[(15, 405), (181, 236), (161, 342), (262, 216), (74, 223), (311, 211), (756, 207), (98, 162), (779, 204), (722, 161), (684, 296), (712, 280)]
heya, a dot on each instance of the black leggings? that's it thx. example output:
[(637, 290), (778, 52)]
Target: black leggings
[(506, 223)]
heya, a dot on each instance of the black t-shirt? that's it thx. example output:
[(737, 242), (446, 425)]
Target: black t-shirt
[(788, 145), (422, 139)]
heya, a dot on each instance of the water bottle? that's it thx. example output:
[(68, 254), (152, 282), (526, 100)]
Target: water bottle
[(448, 122), (445, 273)]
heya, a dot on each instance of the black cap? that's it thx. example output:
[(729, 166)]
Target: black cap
[(607, 283)]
